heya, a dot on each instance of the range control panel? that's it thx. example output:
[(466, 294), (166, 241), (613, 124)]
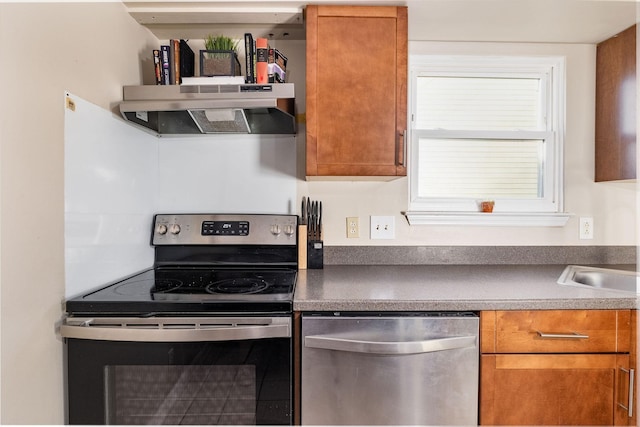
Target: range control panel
[(224, 229)]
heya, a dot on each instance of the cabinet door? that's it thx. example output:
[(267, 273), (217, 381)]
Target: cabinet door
[(633, 362), (551, 389), (356, 90), (616, 107)]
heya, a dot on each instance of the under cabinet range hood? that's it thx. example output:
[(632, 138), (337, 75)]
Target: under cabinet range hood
[(211, 108)]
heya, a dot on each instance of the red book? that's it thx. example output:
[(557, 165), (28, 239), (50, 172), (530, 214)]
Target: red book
[(262, 57)]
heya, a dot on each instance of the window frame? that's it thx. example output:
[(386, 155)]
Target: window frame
[(547, 210)]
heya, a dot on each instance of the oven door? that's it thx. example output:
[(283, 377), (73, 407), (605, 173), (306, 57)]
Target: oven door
[(179, 370)]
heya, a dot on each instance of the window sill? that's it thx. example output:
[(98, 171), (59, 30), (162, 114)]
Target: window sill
[(502, 219)]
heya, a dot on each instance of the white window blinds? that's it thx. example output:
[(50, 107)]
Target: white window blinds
[(479, 103), (481, 168)]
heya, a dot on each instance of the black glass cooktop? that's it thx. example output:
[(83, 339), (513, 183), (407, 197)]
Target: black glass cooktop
[(190, 289)]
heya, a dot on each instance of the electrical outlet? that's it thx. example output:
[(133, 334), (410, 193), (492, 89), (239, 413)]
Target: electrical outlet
[(586, 228), (383, 227), (353, 226)]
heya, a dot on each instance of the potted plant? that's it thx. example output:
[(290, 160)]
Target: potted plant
[(220, 57)]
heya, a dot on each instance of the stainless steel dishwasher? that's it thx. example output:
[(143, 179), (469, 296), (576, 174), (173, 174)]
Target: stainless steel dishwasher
[(381, 369)]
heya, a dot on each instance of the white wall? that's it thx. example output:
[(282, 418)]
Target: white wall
[(612, 205), (90, 50)]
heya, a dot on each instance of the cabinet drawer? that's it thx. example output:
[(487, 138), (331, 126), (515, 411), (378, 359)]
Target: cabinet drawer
[(555, 331)]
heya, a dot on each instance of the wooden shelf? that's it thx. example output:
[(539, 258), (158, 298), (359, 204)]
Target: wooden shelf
[(196, 20)]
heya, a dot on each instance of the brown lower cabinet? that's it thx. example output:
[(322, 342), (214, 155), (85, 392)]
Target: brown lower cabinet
[(555, 367), (633, 361), (568, 389)]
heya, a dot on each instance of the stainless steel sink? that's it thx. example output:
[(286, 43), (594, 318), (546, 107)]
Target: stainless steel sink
[(600, 278)]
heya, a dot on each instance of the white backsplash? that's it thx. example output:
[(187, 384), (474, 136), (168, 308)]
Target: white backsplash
[(227, 174), (109, 200), (118, 176)]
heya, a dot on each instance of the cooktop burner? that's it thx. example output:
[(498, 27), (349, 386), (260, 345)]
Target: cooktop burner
[(206, 281), (242, 285)]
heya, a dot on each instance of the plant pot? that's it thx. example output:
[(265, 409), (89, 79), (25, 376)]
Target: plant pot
[(219, 63), (487, 206)]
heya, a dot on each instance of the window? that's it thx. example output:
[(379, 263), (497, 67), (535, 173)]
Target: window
[(486, 128)]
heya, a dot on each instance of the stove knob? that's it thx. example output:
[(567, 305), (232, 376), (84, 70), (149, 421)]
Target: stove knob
[(275, 230), (289, 230), (174, 229), (162, 229)]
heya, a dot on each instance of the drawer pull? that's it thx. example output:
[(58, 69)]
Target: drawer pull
[(571, 336)]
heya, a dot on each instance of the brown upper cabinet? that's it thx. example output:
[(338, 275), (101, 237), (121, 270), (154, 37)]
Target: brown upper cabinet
[(616, 107), (356, 90)]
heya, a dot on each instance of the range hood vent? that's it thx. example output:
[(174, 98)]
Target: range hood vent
[(211, 109)]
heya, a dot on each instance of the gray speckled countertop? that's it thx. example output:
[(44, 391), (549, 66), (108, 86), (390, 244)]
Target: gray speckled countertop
[(447, 287)]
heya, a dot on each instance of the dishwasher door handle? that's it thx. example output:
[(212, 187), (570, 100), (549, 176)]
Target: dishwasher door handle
[(328, 342)]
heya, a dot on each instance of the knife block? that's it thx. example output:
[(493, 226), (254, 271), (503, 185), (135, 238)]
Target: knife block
[(315, 254)]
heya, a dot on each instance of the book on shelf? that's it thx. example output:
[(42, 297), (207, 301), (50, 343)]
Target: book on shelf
[(277, 66), (280, 60), (214, 80), (270, 63), (276, 74), (164, 60), (187, 60), (174, 61), (249, 50), (157, 67), (262, 58)]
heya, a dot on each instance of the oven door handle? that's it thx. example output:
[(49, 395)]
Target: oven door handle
[(175, 330)]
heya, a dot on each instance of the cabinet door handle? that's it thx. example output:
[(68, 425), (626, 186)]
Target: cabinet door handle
[(402, 139), (571, 336), (629, 406), (404, 148)]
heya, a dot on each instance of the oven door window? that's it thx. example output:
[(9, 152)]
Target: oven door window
[(214, 383), (224, 394)]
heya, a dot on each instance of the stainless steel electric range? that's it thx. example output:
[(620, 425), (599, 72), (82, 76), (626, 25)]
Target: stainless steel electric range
[(202, 337)]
